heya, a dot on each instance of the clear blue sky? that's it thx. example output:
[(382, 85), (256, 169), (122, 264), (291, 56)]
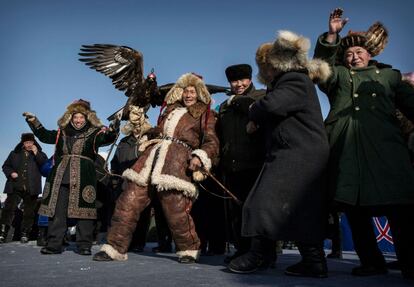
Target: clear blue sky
[(40, 41)]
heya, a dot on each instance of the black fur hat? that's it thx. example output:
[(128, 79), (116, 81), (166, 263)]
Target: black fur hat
[(238, 72), (27, 137)]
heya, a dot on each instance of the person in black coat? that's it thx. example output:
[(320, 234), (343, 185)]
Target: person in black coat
[(241, 154), (22, 169), (289, 198)]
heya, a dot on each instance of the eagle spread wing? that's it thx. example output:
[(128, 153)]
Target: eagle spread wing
[(124, 66)]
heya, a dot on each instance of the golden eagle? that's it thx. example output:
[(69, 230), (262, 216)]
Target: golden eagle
[(124, 66)]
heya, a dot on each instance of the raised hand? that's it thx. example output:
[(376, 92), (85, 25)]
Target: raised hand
[(336, 22), (29, 116)]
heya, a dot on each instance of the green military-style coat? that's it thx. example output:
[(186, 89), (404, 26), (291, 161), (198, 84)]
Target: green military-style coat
[(370, 163), (80, 161)]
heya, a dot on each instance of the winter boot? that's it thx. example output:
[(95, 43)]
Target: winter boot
[(4, 230), (262, 254), (313, 263), (42, 236), (24, 238)]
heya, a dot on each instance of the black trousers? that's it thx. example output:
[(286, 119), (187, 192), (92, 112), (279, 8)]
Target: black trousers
[(58, 224), (239, 183), (29, 204), (400, 218)]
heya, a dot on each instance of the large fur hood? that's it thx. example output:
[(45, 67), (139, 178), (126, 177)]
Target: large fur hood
[(289, 53), (189, 79), (83, 107)]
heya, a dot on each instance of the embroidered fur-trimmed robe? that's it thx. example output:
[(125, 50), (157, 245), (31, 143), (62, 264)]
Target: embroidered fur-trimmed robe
[(79, 159)]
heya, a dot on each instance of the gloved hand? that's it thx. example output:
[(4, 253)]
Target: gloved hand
[(114, 125), (251, 127), (29, 116), (153, 133), (32, 119), (242, 103)]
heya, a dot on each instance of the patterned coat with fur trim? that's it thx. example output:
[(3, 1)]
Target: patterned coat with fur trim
[(78, 157), (164, 163)]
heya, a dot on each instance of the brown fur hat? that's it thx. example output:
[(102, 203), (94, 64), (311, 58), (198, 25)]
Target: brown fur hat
[(289, 53), (374, 40), (189, 79), (83, 107)]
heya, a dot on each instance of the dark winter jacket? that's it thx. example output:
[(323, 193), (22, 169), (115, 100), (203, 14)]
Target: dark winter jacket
[(239, 151), (126, 155), (13, 162)]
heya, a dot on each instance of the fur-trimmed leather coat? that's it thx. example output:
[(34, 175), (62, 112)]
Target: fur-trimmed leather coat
[(164, 163)]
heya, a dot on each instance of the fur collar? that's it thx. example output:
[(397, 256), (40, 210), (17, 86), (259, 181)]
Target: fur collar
[(195, 110)]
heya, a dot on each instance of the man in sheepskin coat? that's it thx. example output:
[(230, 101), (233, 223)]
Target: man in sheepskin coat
[(185, 140), (289, 198), (370, 169), (70, 188)]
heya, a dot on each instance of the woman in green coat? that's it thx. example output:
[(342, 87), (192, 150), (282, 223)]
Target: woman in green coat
[(370, 169), (70, 189)]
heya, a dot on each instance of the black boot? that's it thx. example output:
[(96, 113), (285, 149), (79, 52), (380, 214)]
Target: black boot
[(42, 236), (24, 238), (236, 254), (247, 263), (4, 230), (313, 263), (49, 251), (260, 256)]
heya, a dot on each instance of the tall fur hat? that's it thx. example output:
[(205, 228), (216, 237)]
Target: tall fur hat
[(374, 40), (83, 107), (290, 53), (189, 79)]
